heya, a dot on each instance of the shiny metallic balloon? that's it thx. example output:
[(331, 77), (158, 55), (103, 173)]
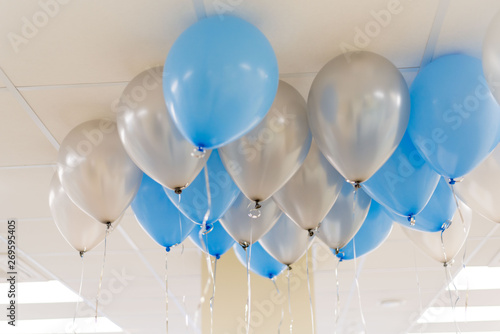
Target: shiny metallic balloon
[(311, 192), (359, 106), (286, 241), (340, 224), (454, 237), (244, 225), (263, 160), (480, 189), (80, 230), (491, 57), (150, 136), (96, 172)]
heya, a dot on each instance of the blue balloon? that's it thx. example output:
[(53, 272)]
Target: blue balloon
[(164, 223), (216, 242), (405, 183), (437, 213), (374, 231), (261, 262), (454, 120), (193, 201), (219, 80)]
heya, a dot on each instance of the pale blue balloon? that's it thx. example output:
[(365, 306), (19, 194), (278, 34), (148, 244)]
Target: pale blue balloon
[(454, 119), (161, 220), (261, 262), (216, 242), (437, 213), (374, 231), (193, 202), (405, 183), (219, 80)]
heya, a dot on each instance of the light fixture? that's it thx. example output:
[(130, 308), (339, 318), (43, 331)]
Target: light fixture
[(448, 315), (59, 326), (40, 293), (477, 278), (391, 303)]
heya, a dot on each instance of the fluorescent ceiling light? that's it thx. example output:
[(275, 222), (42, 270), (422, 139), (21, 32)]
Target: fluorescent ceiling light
[(40, 293), (478, 278), (473, 314), (59, 326)]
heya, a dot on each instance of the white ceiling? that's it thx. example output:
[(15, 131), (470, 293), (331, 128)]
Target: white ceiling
[(76, 65)]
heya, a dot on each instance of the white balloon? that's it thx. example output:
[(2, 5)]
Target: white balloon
[(454, 237), (286, 241), (244, 229)]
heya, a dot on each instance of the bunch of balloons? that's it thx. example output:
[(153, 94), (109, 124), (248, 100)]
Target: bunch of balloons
[(215, 147)]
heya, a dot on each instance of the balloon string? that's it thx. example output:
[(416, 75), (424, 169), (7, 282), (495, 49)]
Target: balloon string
[(108, 226), (79, 291), (337, 306), (209, 197), (418, 283), (449, 279), (282, 308), (180, 224), (452, 185), (202, 298), (290, 299), (212, 300), (248, 307), (166, 291), (355, 262), (309, 291)]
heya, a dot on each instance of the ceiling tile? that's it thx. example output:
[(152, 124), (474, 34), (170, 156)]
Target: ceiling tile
[(88, 42), (22, 143)]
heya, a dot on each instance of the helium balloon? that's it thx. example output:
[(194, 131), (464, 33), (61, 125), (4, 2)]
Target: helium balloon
[(260, 262), (150, 136), (193, 202), (491, 57), (244, 225), (438, 211), (263, 160), (340, 224), (453, 237), (455, 121), (374, 231), (405, 183), (286, 241), (158, 216), (359, 107), (96, 172), (215, 242), (480, 189), (311, 192), (219, 80), (80, 230)]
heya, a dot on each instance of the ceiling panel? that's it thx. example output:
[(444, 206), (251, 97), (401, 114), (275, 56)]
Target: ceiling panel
[(89, 42), (22, 143), (306, 36), (61, 109), (465, 26)]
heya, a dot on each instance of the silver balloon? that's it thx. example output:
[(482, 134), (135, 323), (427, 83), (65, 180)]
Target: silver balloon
[(263, 160), (480, 189), (80, 230), (96, 172), (491, 56), (286, 241), (454, 237), (359, 106), (149, 135), (244, 225), (311, 192), (341, 224)]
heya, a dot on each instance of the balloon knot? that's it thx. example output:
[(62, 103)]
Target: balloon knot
[(411, 219), (244, 244), (217, 256), (452, 181), (178, 190), (446, 225), (289, 267), (355, 184), (167, 249), (198, 152), (311, 232), (257, 205), (449, 263), (82, 253)]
